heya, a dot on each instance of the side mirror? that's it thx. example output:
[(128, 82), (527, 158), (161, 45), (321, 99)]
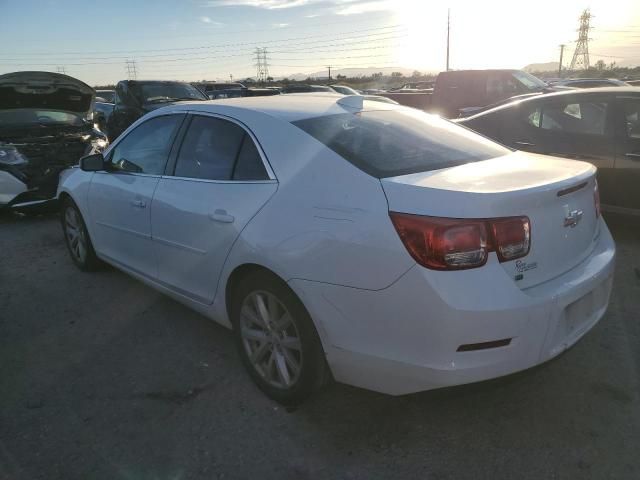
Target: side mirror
[(92, 163)]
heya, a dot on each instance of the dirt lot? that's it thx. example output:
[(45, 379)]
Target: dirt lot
[(102, 378)]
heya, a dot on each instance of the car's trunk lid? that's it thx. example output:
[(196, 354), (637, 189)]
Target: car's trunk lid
[(557, 195)]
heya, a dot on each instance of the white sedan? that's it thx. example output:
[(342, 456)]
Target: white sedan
[(374, 243)]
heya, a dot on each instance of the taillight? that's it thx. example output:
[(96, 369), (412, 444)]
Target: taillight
[(458, 244), (596, 199), (511, 236)]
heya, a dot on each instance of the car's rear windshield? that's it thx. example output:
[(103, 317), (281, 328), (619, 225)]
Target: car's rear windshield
[(391, 143)]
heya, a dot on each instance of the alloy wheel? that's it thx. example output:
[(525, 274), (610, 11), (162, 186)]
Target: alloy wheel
[(271, 339), (75, 234)]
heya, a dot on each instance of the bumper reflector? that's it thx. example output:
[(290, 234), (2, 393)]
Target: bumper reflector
[(471, 347)]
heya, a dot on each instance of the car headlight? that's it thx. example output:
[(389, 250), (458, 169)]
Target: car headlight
[(11, 156)]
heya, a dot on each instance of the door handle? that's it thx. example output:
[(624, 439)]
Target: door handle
[(525, 144), (221, 216), (138, 203), (632, 155)]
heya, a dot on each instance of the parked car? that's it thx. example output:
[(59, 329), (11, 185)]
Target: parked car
[(380, 98), (394, 249), (46, 125), (300, 88), (600, 125), (134, 98), (105, 96), (424, 85), (344, 90), (459, 92), (216, 90), (589, 82)]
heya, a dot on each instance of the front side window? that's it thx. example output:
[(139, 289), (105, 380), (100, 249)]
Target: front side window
[(391, 143), (216, 149), (528, 82), (146, 148)]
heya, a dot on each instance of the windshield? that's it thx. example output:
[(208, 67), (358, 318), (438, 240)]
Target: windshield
[(530, 82), (392, 143), (30, 116), (153, 92)]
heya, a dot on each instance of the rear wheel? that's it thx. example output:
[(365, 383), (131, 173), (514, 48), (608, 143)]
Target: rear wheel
[(276, 339), (77, 238)]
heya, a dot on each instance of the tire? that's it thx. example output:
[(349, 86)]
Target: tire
[(274, 333), (76, 237)]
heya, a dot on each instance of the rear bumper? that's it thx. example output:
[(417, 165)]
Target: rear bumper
[(406, 338)]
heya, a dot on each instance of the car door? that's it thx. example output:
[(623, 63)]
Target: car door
[(575, 127), (120, 198), (627, 164), (220, 180)]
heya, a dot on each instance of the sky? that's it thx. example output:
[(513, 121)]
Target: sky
[(216, 39)]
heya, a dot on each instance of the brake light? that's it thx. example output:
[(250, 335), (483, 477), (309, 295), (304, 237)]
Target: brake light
[(511, 237), (596, 199), (458, 244)]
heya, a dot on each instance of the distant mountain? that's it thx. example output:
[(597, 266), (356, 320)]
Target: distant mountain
[(542, 67)]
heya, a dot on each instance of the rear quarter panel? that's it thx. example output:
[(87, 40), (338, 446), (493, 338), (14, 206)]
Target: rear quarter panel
[(328, 222)]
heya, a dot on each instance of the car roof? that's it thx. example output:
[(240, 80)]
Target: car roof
[(290, 107), (543, 97)]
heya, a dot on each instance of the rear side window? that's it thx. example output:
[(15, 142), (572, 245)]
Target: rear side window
[(587, 118), (632, 117), (391, 143), (215, 149)]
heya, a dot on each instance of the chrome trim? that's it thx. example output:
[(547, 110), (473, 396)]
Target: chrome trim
[(205, 180), (33, 202), (133, 174)]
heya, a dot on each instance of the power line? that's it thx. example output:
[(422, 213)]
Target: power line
[(240, 53), (218, 46)]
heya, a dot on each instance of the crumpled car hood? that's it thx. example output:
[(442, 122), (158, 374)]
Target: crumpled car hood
[(45, 90)]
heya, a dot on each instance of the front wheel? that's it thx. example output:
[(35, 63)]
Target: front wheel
[(77, 238), (276, 339)]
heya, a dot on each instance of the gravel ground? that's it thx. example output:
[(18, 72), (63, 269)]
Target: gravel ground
[(103, 378)]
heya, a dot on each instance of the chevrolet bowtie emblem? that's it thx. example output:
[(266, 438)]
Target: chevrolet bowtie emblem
[(573, 218)]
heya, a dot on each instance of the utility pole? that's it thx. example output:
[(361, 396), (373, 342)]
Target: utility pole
[(329, 67), (448, 29), (560, 64), (581, 53), (231, 77), (61, 69), (132, 70)]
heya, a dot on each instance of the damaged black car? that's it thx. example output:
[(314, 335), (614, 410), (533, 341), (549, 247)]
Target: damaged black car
[(46, 125), (135, 98)]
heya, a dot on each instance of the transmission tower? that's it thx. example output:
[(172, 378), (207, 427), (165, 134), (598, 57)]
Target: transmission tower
[(132, 70), (262, 65), (61, 69), (581, 53)]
